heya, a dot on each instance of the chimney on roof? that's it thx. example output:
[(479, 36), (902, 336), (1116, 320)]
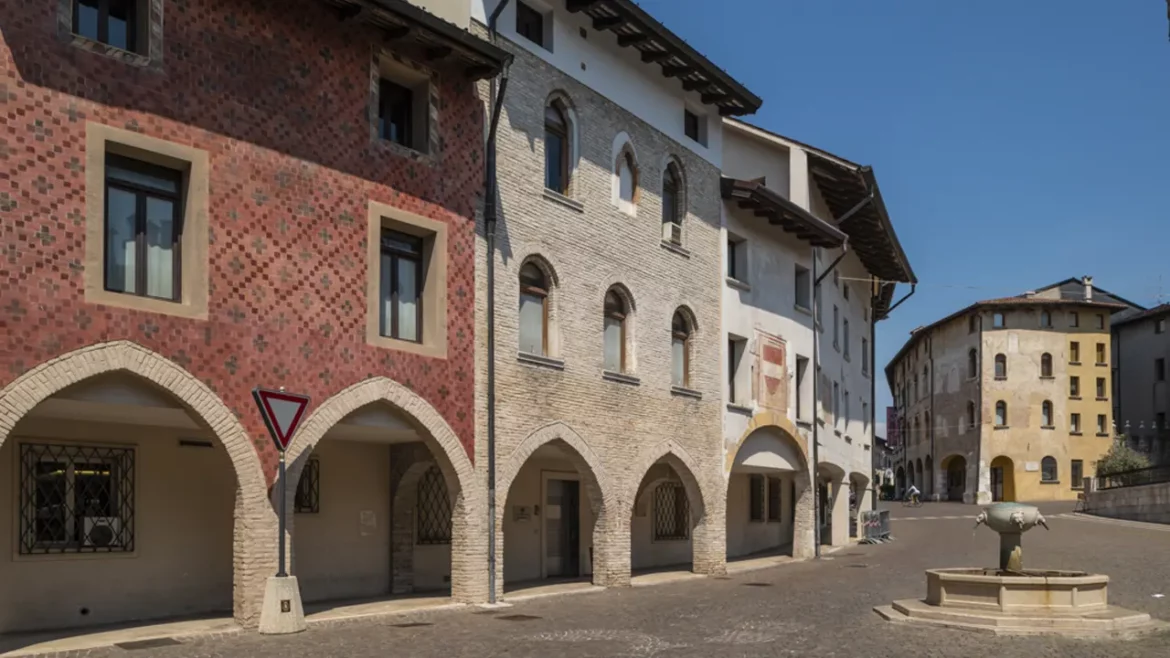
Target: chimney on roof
[(1029, 294), (1087, 282)]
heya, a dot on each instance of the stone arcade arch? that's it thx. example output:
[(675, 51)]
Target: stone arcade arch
[(102, 590), (770, 463), (954, 468), (554, 486), (670, 521), (375, 440)]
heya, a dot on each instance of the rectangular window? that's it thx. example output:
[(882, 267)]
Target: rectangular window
[(1101, 354), (1074, 386), (143, 229), (756, 498), (1101, 388), (672, 514), (1074, 423), (736, 258), (865, 356), (845, 335), (1074, 319), (802, 386), (693, 127), (997, 320), (803, 288), (1100, 321), (433, 508), (1159, 370), (1102, 425), (403, 105), (1160, 420), (112, 22), (865, 417), (836, 406), (1160, 325), (395, 113), (818, 303), (402, 286), (836, 328), (76, 499), (845, 291), (1078, 473), (308, 496), (774, 499), (530, 24), (735, 349), (1045, 319), (1074, 352)]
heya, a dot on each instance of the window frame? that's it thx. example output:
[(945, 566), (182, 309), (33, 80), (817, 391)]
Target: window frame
[(775, 500), (619, 313), (386, 110), (1001, 413), (528, 16), (397, 255), (756, 498), (103, 23), (1049, 470), (679, 513), (684, 336), (972, 363), (1074, 319), (1074, 423), (1074, 352), (434, 518), (1074, 386), (1102, 392), (1100, 320), (563, 132), (1046, 365), (1102, 424), (998, 320), (672, 213), (1102, 355), (141, 194), (1045, 319), (535, 290), (1077, 473), (1001, 371), (1046, 414)]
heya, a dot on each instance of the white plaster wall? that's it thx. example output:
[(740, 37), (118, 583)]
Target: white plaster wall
[(1141, 398), (523, 549), (182, 563), (616, 73), (336, 556)]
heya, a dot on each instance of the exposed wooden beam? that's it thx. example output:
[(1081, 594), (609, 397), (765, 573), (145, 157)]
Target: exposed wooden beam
[(625, 40), (695, 85), (728, 110), (607, 22), (437, 53), (675, 71), (655, 56), (575, 6), (397, 32), (711, 99)]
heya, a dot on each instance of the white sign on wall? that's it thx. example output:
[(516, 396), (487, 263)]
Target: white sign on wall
[(1031, 467)]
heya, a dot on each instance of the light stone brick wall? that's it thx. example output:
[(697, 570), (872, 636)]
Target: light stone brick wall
[(621, 428)]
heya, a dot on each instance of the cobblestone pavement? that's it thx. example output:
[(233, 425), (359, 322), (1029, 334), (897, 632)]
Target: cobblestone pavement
[(801, 609)]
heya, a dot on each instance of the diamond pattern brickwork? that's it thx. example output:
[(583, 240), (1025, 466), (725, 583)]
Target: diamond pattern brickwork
[(276, 92)]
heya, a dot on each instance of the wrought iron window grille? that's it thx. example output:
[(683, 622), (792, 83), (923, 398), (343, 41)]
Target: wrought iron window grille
[(308, 496), (672, 512), (434, 508)]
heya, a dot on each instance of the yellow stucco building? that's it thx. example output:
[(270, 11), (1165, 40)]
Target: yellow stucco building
[(1007, 399)]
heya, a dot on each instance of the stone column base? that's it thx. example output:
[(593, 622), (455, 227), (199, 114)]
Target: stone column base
[(282, 612)]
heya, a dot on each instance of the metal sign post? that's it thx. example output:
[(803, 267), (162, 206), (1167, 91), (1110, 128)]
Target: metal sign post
[(282, 413)]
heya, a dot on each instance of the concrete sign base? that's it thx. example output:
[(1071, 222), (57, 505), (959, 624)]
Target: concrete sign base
[(282, 612)]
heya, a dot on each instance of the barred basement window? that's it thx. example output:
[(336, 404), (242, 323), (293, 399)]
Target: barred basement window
[(76, 499), (308, 498), (672, 512), (434, 508)]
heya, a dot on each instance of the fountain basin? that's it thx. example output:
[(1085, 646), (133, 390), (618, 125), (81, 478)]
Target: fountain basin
[(1031, 590)]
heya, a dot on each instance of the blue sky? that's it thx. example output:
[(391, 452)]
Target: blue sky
[(1016, 143)]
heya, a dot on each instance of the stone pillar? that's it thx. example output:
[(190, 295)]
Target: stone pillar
[(803, 523), (839, 493), (709, 538), (611, 547), (982, 495), (864, 503)]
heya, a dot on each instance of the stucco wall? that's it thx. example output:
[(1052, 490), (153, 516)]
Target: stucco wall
[(1149, 503), (745, 536), (1140, 398), (182, 561)]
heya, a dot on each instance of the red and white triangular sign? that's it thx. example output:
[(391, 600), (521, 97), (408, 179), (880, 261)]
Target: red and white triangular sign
[(282, 413)]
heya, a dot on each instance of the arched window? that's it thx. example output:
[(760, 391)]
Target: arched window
[(972, 363), (925, 380), (971, 415), (926, 425), (557, 147), (1046, 414), (534, 288), (1000, 366), (680, 348), (1048, 471), (627, 173), (916, 436), (615, 332), (1001, 414), (672, 206), (1046, 365)]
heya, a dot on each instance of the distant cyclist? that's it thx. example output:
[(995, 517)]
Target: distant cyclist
[(914, 495)]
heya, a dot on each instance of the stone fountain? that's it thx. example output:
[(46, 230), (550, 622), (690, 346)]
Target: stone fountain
[(1012, 600)]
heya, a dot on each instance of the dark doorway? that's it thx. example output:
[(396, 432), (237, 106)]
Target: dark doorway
[(563, 525)]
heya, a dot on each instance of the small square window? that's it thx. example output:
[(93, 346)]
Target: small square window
[(1160, 325), (403, 104), (997, 321), (695, 126), (115, 23), (533, 25), (1100, 321), (1045, 319), (1074, 319)]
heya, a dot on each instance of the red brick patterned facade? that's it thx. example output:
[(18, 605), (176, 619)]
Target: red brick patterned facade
[(277, 92)]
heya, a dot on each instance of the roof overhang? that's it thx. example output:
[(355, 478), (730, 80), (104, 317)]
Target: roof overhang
[(845, 186), (436, 41), (639, 30), (754, 196)]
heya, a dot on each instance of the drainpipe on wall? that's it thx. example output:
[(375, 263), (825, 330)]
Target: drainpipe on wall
[(496, 98), (873, 296), (816, 384)]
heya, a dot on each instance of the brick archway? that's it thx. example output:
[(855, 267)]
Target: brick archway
[(255, 521), (708, 552), (468, 577), (597, 487)]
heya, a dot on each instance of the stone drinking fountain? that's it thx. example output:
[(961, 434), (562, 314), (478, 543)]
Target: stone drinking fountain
[(1013, 600)]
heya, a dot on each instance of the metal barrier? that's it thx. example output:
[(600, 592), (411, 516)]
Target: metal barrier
[(877, 526), (1134, 478)]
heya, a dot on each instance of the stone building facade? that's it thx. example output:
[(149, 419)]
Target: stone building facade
[(1141, 397), (607, 319), (1007, 399), (184, 221)]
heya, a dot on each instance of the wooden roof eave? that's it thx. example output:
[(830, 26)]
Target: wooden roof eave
[(754, 196)]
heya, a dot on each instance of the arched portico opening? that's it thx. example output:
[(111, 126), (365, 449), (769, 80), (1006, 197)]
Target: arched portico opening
[(860, 497), (900, 483), (554, 513), (668, 522), (1003, 479), (954, 469), (385, 500), (769, 500), (928, 477), (833, 504), (113, 456)]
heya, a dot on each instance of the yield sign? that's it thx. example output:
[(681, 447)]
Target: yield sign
[(282, 413)]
